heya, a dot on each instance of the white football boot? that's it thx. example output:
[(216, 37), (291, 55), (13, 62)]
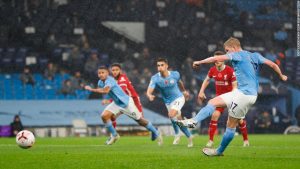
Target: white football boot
[(189, 123), (209, 144), (112, 139), (211, 152), (176, 139), (246, 143)]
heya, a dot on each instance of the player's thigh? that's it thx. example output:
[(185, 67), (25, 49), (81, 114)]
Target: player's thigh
[(174, 108), (132, 111), (240, 105), (113, 108), (223, 101)]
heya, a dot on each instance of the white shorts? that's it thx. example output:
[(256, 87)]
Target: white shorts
[(238, 103), (131, 110), (177, 105)]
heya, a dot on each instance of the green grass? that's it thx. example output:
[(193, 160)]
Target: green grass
[(266, 151)]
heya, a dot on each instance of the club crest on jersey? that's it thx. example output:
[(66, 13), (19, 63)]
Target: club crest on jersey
[(219, 75), (172, 81), (122, 79), (225, 77)]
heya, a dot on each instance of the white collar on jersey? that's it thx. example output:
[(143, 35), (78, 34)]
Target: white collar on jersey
[(168, 73)]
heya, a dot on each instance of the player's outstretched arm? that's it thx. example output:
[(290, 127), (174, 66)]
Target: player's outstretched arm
[(276, 68), (234, 85), (150, 94), (219, 58), (183, 90), (201, 95), (104, 90)]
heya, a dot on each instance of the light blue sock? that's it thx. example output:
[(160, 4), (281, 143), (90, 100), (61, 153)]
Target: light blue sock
[(186, 131), (175, 126), (204, 113), (227, 137), (151, 128), (111, 129)]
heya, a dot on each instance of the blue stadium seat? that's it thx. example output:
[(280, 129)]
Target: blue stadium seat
[(70, 97), (56, 54), (81, 94), (29, 92), (42, 61), (10, 52), (40, 93), (19, 94), (50, 94)]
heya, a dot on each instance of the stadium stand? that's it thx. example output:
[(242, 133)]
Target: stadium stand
[(70, 35)]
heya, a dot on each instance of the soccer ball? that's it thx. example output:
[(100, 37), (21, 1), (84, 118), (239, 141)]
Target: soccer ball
[(25, 139)]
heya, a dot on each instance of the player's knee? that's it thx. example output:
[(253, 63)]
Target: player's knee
[(172, 113), (105, 116), (232, 122), (112, 118), (215, 116), (142, 121), (211, 102)]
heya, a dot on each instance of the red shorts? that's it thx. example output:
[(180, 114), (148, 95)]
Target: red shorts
[(138, 104), (220, 109)]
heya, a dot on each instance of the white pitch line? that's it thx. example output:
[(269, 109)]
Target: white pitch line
[(266, 147), (53, 145)]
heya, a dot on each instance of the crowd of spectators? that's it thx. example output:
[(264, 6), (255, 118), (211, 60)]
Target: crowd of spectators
[(180, 30)]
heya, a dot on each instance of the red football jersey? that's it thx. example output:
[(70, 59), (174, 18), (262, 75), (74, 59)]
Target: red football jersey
[(126, 85), (128, 88), (223, 79)]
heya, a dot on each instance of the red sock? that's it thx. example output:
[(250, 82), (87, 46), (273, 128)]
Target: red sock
[(114, 123), (243, 129), (213, 125)]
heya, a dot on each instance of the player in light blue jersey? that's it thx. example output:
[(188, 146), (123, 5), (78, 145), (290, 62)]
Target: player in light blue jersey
[(167, 83), (238, 102), (121, 103)]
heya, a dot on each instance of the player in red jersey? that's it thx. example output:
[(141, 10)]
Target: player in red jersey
[(225, 81), (127, 87)]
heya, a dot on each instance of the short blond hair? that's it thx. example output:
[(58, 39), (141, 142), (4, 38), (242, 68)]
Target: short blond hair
[(232, 42)]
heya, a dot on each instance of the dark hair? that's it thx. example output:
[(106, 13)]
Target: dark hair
[(116, 64), (162, 60), (16, 116), (219, 53), (103, 67)]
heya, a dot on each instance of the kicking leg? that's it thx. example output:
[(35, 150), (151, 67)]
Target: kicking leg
[(203, 113)]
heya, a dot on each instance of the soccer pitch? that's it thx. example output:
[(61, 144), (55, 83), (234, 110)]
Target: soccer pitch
[(265, 151)]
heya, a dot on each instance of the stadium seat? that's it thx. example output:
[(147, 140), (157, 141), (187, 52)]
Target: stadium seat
[(42, 61)]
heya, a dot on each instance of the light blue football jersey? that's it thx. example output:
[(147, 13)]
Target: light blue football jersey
[(246, 68), (168, 86), (116, 93)]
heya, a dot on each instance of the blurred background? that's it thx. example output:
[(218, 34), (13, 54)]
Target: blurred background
[(50, 49)]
